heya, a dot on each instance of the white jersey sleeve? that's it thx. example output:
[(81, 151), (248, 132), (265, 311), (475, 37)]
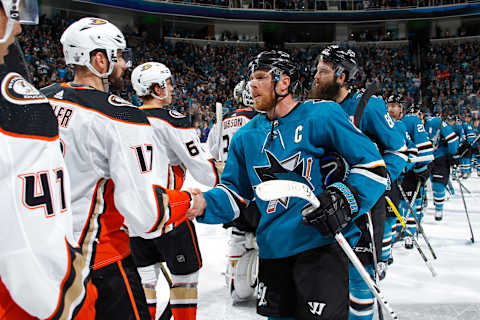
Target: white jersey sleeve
[(183, 146), (38, 263)]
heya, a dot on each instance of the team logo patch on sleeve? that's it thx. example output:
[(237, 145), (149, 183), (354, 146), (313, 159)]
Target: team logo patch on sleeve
[(175, 114), (17, 90), (119, 102)]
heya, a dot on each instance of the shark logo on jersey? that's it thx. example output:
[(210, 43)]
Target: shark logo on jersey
[(292, 168)]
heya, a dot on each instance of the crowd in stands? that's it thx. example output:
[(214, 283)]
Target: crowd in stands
[(208, 74)]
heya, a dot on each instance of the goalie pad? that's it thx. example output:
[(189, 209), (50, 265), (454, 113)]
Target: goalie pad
[(244, 276)]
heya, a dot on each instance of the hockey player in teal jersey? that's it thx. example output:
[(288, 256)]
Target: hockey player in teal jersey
[(457, 127), (417, 172), (336, 67), (395, 107), (302, 271), (445, 145), (466, 146), (476, 145)]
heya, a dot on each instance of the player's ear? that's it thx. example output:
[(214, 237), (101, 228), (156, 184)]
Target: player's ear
[(341, 79), (285, 83), (100, 61), (157, 90)]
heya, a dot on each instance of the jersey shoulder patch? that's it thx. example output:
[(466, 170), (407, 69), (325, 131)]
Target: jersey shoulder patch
[(112, 106), (15, 89), (174, 118), (119, 102), (25, 112)]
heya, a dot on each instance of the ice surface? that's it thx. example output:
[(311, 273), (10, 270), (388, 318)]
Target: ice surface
[(413, 293)]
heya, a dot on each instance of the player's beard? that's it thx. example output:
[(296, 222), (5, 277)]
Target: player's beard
[(116, 79), (326, 91), (265, 103)]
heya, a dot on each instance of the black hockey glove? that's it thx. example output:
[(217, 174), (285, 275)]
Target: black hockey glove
[(422, 173), (333, 168), (409, 184), (339, 204), (454, 160), (465, 150)]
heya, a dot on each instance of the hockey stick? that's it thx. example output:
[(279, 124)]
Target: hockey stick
[(417, 190), (167, 312), (404, 226), (465, 188), (420, 159), (466, 212), (410, 210), (276, 189), (219, 115), (375, 262)]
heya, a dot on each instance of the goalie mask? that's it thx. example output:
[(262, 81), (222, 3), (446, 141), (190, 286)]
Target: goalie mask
[(21, 11), (146, 75), (243, 94), (86, 35), (344, 61)]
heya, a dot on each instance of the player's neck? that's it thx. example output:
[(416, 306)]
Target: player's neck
[(89, 80), (284, 106), (153, 103), (343, 92)]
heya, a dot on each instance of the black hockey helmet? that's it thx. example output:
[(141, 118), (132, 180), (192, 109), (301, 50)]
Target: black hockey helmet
[(344, 60), (277, 62), (451, 117), (414, 108), (394, 98)]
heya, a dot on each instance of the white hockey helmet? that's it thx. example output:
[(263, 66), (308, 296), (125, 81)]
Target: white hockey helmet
[(89, 34), (147, 74), (242, 93), (23, 11)]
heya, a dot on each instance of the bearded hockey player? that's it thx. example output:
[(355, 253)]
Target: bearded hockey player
[(109, 150), (302, 270), (36, 221), (153, 83), (336, 67)]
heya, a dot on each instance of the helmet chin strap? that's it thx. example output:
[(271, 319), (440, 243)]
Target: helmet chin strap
[(275, 101), (103, 76), (160, 98)]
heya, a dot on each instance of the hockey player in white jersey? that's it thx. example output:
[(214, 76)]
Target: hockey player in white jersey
[(232, 122), (36, 235), (111, 155), (240, 274), (153, 83)]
